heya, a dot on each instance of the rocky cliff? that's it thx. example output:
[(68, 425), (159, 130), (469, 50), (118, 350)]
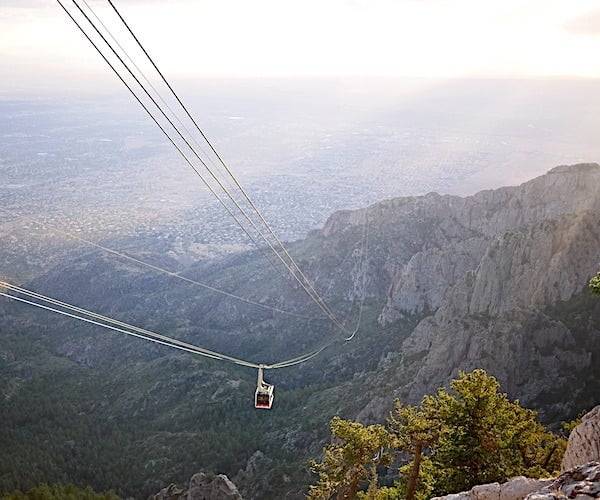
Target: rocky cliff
[(201, 486), (494, 316), (426, 245), (502, 273)]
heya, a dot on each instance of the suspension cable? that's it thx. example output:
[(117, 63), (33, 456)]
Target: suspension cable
[(145, 78), (172, 273), (120, 326), (120, 59), (172, 141), (304, 283), (88, 316), (189, 280), (364, 250), (225, 166)]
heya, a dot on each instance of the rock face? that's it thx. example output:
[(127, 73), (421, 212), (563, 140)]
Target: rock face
[(201, 487), (515, 489), (582, 483), (496, 274), (449, 236), (584, 441)]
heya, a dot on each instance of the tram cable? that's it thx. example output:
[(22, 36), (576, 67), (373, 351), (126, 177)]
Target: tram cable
[(264, 394), (213, 175), (162, 128), (264, 391), (172, 274), (225, 166), (149, 83), (60, 307), (364, 259), (292, 267)]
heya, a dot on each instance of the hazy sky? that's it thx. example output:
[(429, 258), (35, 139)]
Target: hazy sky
[(40, 47)]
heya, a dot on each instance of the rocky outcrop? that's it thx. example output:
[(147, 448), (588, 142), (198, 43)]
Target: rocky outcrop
[(584, 441), (536, 265), (515, 489), (498, 317), (493, 318), (524, 350), (449, 236), (581, 482), (502, 279), (201, 487)]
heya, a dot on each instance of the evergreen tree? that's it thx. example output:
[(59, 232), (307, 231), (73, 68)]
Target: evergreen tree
[(463, 436), (415, 433), (595, 283), (354, 455), (484, 436)]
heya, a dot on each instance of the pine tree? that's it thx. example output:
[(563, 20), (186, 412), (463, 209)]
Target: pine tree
[(354, 455), (414, 434), (595, 283), (485, 437), (466, 435)]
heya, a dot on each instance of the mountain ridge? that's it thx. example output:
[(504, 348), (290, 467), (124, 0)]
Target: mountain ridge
[(496, 315), (452, 283), (454, 232)]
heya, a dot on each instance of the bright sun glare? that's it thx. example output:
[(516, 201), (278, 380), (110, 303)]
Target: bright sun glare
[(237, 38)]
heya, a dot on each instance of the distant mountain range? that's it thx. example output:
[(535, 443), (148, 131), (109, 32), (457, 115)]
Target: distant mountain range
[(497, 280)]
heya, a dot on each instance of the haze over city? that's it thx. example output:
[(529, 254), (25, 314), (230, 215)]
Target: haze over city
[(317, 106)]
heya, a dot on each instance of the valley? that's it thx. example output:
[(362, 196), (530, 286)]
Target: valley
[(451, 281)]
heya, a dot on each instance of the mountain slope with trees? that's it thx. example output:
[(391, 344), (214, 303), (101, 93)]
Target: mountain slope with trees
[(466, 435), (497, 281)]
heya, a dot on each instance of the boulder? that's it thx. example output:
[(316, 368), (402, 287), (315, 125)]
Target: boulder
[(584, 441), (581, 482), (171, 492), (201, 487), (208, 487)]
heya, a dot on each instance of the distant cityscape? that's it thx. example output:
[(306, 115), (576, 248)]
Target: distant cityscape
[(104, 173)]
